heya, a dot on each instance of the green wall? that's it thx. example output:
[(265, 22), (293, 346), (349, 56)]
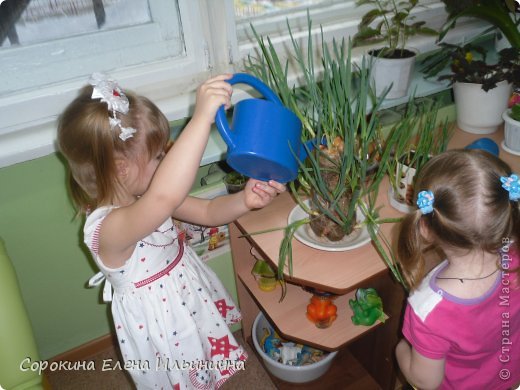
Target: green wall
[(43, 239)]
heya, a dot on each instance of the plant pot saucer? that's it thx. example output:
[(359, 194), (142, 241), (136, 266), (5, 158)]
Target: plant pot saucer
[(400, 206), (508, 150), (306, 236)]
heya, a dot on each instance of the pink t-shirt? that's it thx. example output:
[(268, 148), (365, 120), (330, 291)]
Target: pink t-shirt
[(479, 338)]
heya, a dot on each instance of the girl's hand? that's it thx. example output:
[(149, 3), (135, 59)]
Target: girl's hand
[(212, 94), (258, 194)]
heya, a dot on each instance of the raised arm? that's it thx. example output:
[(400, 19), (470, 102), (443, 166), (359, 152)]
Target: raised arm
[(171, 182)]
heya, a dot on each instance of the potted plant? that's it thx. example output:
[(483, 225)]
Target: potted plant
[(481, 89), (234, 182), (338, 183), (421, 137), (500, 13), (264, 275), (391, 22), (511, 116)]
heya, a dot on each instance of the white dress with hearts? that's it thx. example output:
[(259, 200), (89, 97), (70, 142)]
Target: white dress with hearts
[(171, 312)]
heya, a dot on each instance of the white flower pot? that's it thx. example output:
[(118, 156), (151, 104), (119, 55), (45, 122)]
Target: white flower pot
[(480, 112), (511, 142), (401, 197), (395, 71)]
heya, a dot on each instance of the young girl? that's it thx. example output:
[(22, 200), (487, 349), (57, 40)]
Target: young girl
[(462, 319), (170, 311)]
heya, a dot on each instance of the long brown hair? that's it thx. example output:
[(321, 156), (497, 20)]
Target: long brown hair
[(471, 210), (91, 146)]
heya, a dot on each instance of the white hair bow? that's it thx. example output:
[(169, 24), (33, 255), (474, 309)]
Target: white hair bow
[(109, 92)]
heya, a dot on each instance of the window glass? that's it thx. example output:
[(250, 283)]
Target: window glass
[(26, 23), (248, 9), (49, 42)]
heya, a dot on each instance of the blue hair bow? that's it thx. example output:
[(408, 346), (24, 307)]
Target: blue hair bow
[(425, 201), (512, 185)]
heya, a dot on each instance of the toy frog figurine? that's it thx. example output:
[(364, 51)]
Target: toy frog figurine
[(367, 308)]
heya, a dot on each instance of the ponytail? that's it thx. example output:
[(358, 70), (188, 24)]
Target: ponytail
[(410, 249)]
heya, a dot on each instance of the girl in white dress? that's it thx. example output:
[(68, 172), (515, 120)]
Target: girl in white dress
[(170, 310)]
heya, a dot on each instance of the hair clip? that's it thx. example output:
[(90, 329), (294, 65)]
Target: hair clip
[(512, 185), (425, 201), (109, 92)]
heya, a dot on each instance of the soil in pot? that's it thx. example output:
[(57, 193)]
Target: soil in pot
[(392, 54)]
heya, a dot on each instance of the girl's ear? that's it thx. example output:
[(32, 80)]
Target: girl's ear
[(121, 168)]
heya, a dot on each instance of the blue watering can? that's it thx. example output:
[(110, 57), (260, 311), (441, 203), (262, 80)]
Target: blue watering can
[(264, 139)]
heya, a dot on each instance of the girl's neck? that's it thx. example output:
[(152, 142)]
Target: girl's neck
[(469, 275), (474, 264)]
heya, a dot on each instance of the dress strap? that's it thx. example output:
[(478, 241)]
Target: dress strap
[(96, 280)]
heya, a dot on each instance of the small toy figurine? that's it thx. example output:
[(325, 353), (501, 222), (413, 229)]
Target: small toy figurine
[(367, 308), (305, 356), (289, 353), (214, 238), (271, 343), (321, 311)]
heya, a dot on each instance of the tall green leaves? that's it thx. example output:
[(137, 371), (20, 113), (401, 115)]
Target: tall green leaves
[(335, 101)]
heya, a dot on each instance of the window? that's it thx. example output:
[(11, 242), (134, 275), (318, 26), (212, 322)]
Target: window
[(153, 46), (41, 21), (59, 40), (162, 48)]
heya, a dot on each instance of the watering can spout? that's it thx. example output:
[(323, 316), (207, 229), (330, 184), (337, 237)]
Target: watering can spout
[(306, 148), (309, 146)]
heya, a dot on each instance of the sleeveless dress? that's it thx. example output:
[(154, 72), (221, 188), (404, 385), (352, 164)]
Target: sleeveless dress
[(171, 313)]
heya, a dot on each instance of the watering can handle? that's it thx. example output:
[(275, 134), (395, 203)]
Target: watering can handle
[(242, 78)]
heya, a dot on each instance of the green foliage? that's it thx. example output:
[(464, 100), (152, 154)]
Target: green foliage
[(235, 178), (335, 104), (391, 22), (515, 112), (417, 138), (468, 63), (500, 13)]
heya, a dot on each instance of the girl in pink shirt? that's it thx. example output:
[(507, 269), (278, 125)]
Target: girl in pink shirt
[(462, 320)]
